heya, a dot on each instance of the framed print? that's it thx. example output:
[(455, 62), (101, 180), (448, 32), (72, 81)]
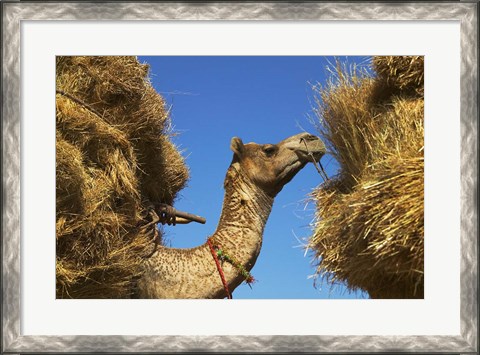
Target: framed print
[(123, 79)]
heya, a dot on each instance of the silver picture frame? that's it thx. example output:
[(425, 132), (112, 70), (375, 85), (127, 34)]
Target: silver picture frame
[(14, 12)]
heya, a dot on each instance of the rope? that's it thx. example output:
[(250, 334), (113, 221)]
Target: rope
[(219, 268), (224, 256), (320, 170), (79, 102)]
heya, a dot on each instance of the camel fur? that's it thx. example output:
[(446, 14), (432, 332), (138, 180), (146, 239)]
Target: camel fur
[(256, 175)]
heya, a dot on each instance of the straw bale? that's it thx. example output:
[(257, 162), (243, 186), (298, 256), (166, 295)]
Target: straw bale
[(369, 221), (114, 156), (399, 75), (71, 177)]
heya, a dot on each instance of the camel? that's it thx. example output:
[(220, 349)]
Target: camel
[(255, 176)]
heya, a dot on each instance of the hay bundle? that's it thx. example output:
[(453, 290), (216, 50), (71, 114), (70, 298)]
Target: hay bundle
[(113, 156), (369, 227)]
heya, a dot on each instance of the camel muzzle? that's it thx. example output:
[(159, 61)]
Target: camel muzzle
[(307, 145)]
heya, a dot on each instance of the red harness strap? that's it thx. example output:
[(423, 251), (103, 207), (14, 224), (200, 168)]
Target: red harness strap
[(219, 268)]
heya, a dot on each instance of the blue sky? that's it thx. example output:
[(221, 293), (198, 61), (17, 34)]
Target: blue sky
[(259, 99)]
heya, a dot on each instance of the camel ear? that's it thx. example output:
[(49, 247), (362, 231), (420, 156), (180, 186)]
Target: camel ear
[(236, 145)]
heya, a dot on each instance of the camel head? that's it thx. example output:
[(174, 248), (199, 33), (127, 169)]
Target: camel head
[(271, 166)]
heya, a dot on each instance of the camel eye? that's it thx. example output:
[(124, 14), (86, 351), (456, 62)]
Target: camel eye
[(269, 150)]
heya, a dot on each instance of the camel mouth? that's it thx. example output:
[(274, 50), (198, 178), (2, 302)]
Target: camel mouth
[(314, 149), (307, 147), (314, 152)]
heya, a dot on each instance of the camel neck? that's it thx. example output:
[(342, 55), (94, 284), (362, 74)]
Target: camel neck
[(244, 214)]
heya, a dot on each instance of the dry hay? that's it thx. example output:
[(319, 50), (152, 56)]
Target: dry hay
[(369, 225), (113, 156)]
